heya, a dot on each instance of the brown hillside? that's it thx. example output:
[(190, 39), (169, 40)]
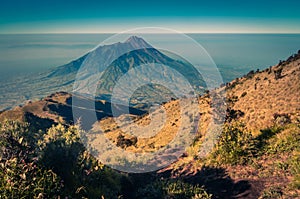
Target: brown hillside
[(262, 95)]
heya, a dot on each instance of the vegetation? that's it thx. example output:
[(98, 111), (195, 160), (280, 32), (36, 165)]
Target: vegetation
[(83, 176), (272, 192), (295, 169), (235, 146), (20, 172), (55, 164), (278, 72), (286, 141), (175, 189), (125, 142)]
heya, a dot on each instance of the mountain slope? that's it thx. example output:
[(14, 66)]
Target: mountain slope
[(259, 145), (261, 96)]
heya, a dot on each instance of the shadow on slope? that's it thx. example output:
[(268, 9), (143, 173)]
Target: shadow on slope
[(89, 111), (218, 183)]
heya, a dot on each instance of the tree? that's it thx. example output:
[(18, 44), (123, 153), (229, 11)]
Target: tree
[(278, 72)]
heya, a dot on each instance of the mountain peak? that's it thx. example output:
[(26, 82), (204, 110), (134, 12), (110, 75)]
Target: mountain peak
[(138, 42), (134, 38)]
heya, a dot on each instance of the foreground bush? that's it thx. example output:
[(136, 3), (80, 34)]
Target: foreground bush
[(83, 175), (53, 165), (20, 173)]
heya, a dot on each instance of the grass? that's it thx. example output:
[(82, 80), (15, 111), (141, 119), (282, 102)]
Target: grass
[(286, 141), (295, 169), (272, 192), (175, 189)]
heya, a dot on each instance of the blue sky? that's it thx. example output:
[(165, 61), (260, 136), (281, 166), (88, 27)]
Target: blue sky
[(74, 16)]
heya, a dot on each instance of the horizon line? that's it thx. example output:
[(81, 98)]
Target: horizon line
[(22, 33)]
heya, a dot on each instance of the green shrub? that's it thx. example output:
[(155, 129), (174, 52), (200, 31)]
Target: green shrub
[(52, 165), (20, 179), (175, 189), (263, 139), (20, 174), (295, 169), (82, 174), (151, 191), (235, 146), (272, 192), (285, 141), (181, 190)]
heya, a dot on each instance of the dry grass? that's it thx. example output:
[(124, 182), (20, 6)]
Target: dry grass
[(267, 96)]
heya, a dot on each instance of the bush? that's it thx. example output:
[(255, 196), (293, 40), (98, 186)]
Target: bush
[(250, 74), (173, 189), (244, 94), (295, 169), (52, 165), (82, 174), (20, 174), (235, 146), (20, 179), (263, 139), (151, 191), (272, 192), (181, 190), (232, 114), (125, 142), (281, 119), (285, 141), (277, 73)]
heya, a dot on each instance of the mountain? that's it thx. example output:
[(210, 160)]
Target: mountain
[(142, 65), (157, 71), (106, 64), (101, 56)]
